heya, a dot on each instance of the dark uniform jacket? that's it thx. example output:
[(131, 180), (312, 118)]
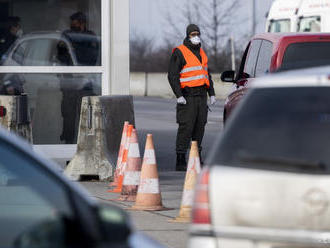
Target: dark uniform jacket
[(177, 62)]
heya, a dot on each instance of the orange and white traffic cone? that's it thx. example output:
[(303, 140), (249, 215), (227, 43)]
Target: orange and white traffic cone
[(133, 170), (194, 168), (123, 163), (120, 154), (148, 195)]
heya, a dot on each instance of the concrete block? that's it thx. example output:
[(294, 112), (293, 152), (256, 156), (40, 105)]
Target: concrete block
[(116, 110), (157, 85), (100, 130), (11, 120), (137, 83)]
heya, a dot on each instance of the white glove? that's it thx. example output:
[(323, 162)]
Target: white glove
[(213, 100), (181, 100)]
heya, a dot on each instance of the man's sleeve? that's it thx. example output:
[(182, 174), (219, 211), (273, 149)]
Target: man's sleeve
[(175, 67), (210, 90)]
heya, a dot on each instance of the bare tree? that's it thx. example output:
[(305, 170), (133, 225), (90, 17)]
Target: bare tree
[(140, 50), (215, 18)]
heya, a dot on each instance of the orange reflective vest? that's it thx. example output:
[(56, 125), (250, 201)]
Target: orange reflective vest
[(194, 73)]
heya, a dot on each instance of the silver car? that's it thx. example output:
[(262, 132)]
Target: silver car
[(267, 180)]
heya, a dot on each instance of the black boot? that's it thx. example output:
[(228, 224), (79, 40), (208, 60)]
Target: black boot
[(181, 164)]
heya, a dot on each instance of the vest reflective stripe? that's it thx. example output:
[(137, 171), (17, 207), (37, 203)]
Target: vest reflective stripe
[(194, 68), (193, 78), (195, 72)]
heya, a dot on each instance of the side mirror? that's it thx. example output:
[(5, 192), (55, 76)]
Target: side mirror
[(228, 76)]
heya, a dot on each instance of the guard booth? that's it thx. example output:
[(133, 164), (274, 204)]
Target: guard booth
[(57, 61)]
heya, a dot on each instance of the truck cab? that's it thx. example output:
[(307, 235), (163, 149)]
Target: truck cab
[(282, 16), (314, 16)]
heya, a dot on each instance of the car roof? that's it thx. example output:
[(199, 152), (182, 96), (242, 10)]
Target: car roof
[(311, 77), (277, 37)]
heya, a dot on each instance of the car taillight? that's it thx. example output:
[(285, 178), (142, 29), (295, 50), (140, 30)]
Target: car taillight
[(201, 209), (3, 111)]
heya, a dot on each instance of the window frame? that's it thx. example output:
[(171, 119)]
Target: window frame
[(103, 69), (248, 56)]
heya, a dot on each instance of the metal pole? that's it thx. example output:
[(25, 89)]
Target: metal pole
[(253, 17), (233, 66)]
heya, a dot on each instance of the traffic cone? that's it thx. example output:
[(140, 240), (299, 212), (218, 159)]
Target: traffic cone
[(120, 154), (133, 170), (194, 168), (123, 163), (148, 195)]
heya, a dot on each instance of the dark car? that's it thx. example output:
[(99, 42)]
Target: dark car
[(271, 52), (39, 207)]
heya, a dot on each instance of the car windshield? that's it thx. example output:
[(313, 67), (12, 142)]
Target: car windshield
[(278, 129), (306, 54), (277, 26), (309, 24)]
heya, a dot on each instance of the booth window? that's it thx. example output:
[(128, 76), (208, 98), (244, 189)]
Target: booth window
[(67, 33), (56, 47)]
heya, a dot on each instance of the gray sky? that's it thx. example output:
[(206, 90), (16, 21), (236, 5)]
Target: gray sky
[(147, 17)]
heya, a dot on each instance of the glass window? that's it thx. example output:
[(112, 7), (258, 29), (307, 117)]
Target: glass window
[(306, 54), (251, 60), (270, 131), (56, 33), (54, 102), (276, 26), (31, 214), (264, 58), (309, 24)]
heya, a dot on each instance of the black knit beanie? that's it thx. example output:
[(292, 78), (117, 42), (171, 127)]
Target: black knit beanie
[(192, 28)]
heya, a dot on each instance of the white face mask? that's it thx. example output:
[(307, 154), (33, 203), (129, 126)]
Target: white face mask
[(19, 33), (195, 40)]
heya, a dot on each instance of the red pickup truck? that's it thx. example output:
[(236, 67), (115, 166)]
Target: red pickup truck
[(271, 52)]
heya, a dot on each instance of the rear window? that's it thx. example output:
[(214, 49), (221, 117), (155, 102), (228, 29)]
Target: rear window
[(306, 54), (278, 129)]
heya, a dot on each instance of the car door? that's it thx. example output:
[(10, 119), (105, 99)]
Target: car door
[(36, 207), (245, 75)]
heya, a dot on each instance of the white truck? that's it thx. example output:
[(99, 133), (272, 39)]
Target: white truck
[(282, 16), (314, 16), (299, 16)]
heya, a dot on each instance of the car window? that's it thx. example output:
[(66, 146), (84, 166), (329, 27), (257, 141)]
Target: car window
[(285, 129), (33, 205), (19, 53), (252, 57), (306, 54), (264, 58)]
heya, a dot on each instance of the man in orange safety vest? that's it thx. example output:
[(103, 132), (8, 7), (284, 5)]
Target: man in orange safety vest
[(190, 81)]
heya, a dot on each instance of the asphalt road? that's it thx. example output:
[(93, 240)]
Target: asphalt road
[(157, 116)]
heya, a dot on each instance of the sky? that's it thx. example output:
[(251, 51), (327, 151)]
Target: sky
[(148, 17)]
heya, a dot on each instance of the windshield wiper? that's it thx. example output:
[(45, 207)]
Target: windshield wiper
[(284, 161)]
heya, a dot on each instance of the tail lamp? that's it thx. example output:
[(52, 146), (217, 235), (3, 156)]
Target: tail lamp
[(3, 111)]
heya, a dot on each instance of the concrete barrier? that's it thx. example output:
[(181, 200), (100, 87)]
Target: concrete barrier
[(156, 84), (99, 134), (17, 117)]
